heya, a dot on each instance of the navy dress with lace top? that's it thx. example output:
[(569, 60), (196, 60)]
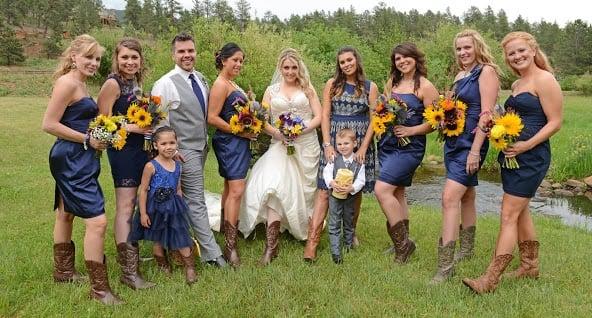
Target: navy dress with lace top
[(166, 210)]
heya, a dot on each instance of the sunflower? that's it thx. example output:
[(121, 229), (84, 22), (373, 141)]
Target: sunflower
[(433, 116), (142, 118), (455, 129), (235, 126), (256, 126), (110, 125), (120, 140), (511, 122), (131, 111), (378, 126), (461, 105), (499, 143), (447, 104), (498, 131)]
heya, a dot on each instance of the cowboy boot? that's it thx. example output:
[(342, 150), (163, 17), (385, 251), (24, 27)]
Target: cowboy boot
[(445, 262), (64, 255), (230, 248), (391, 249), (529, 261), (271, 243), (99, 283), (190, 273), (489, 280), (128, 257), (404, 247), (314, 236), (163, 264), (467, 243)]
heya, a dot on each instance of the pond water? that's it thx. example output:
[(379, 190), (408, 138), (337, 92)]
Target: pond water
[(429, 181)]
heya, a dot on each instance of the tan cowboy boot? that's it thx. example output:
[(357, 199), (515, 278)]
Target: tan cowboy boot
[(314, 236), (445, 262), (163, 264), (467, 243), (99, 283), (271, 243), (404, 247), (529, 261), (64, 258), (489, 280), (128, 257), (190, 273)]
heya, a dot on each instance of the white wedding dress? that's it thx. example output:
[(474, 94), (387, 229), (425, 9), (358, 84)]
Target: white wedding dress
[(285, 183)]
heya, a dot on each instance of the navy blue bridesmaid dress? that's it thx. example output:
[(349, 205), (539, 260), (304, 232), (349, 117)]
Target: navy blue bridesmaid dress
[(456, 149), (233, 152), (128, 163), (76, 170), (534, 163), (398, 163)]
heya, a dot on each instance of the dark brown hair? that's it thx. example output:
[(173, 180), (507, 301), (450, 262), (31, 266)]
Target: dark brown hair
[(132, 44), (225, 52), (339, 77), (408, 49)]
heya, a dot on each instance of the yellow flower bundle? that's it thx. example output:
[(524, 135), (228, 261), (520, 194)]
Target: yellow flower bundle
[(388, 113), (446, 115), (146, 112), (504, 132), (109, 129)]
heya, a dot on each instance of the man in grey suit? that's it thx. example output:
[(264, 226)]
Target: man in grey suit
[(186, 92)]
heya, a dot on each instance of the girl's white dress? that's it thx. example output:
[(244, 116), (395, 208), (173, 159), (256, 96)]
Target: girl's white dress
[(285, 183)]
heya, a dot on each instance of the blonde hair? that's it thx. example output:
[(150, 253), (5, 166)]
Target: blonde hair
[(84, 45), (346, 132), (482, 53), (302, 76), (134, 45), (540, 58)]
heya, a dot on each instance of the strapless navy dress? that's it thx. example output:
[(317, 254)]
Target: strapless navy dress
[(233, 152), (398, 163), (75, 170), (128, 163), (534, 163), (456, 149)]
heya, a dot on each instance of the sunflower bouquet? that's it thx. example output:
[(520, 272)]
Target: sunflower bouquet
[(291, 127), (250, 117), (506, 128), (447, 115), (146, 112), (388, 113), (110, 130)]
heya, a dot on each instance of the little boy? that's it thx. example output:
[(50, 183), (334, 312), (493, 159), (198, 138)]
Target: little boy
[(345, 177)]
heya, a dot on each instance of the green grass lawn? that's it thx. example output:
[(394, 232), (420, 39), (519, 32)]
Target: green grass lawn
[(367, 284)]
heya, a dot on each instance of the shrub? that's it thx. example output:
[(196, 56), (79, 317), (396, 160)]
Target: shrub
[(584, 84)]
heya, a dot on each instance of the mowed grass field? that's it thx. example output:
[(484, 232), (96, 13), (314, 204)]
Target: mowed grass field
[(367, 284)]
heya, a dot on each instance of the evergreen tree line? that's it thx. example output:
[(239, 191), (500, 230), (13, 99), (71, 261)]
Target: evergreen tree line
[(321, 33)]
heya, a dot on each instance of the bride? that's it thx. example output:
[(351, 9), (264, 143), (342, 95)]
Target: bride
[(281, 187)]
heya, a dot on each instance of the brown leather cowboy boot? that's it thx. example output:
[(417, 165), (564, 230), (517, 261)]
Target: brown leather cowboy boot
[(99, 283), (163, 264), (314, 236), (271, 243), (529, 261), (128, 257), (445, 262), (489, 280), (64, 258), (391, 249), (404, 247), (190, 273), (467, 243), (230, 248)]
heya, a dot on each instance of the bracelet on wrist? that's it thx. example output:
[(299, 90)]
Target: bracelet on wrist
[(86, 141), (326, 144), (476, 154), (485, 112)]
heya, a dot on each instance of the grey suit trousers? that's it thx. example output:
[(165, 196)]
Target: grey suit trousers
[(192, 185), (341, 214)]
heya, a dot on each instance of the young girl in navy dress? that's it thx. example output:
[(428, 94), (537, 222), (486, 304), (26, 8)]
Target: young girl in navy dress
[(162, 209)]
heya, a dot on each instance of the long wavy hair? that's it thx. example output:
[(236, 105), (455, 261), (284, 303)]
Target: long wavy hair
[(303, 77), (132, 44), (339, 77), (408, 49), (540, 58), (83, 44), (482, 52)]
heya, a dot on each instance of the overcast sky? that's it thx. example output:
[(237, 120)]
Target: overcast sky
[(532, 10)]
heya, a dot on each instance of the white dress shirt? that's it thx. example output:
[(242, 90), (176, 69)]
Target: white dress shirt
[(165, 88), (359, 181)]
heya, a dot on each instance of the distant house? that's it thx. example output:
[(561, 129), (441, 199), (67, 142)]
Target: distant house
[(108, 17)]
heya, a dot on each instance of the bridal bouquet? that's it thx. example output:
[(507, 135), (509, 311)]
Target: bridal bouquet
[(146, 112), (506, 128), (250, 117), (447, 115), (108, 129), (388, 113), (290, 126)]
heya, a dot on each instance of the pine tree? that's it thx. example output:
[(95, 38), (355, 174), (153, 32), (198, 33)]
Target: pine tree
[(133, 11), (11, 50), (242, 13)]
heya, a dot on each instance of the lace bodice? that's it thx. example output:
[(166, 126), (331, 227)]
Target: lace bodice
[(298, 105)]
